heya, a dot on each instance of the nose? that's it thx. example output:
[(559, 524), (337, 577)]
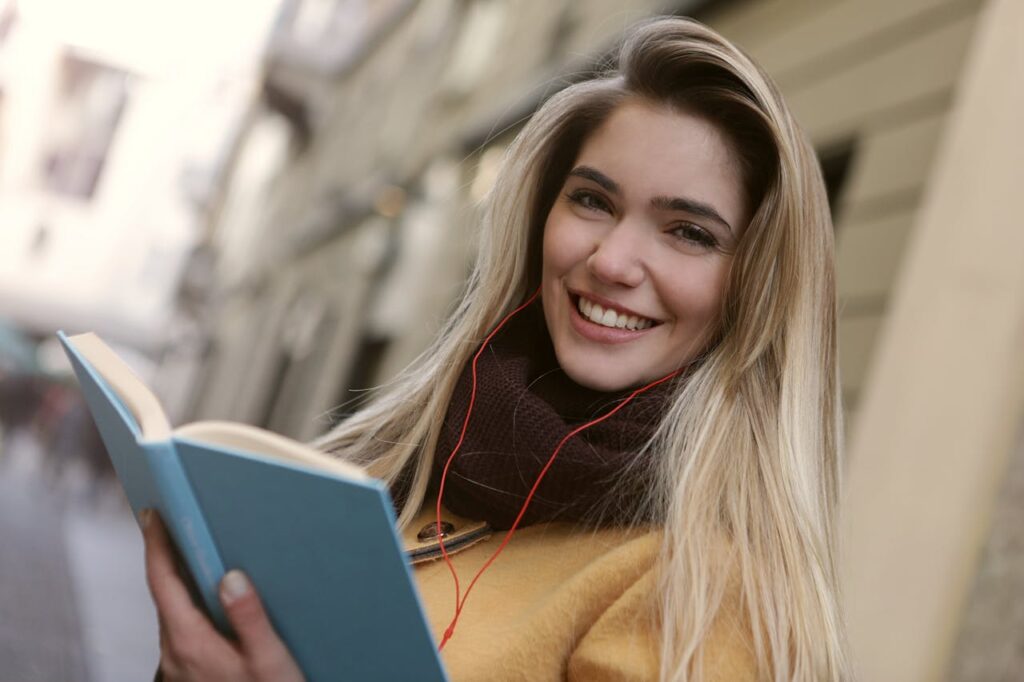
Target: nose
[(616, 258)]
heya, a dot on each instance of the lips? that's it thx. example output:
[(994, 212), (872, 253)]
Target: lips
[(584, 310), (579, 298), (609, 317)]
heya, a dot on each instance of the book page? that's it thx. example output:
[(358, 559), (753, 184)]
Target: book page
[(261, 442), (134, 394)]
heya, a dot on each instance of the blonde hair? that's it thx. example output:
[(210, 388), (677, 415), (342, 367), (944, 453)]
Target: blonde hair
[(748, 448)]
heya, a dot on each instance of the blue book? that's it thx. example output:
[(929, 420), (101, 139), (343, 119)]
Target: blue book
[(316, 536)]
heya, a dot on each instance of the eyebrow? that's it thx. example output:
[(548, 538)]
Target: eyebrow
[(692, 206)]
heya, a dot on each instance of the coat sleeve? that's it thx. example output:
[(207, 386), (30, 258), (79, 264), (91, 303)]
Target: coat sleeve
[(624, 643)]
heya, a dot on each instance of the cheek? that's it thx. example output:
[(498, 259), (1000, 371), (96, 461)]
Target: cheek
[(696, 292), (564, 244)]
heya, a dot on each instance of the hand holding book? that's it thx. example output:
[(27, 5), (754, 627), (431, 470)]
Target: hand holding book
[(190, 646)]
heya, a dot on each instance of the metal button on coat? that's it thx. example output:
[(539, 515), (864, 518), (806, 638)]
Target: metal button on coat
[(429, 531)]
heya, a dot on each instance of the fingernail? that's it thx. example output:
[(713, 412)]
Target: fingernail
[(145, 516), (235, 585)]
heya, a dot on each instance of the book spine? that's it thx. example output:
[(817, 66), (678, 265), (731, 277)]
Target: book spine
[(181, 513)]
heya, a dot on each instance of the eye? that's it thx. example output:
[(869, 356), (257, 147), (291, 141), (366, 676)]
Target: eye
[(694, 234), (589, 200)]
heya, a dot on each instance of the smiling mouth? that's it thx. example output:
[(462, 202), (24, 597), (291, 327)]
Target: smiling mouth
[(607, 317)]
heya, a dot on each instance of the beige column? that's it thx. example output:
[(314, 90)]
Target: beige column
[(945, 396)]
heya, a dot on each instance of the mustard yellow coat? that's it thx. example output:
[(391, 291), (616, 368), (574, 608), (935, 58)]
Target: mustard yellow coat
[(559, 604)]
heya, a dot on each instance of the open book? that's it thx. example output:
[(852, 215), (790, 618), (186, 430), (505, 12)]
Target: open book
[(316, 535)]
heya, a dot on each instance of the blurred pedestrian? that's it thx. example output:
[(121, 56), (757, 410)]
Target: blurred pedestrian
[(21, 395)]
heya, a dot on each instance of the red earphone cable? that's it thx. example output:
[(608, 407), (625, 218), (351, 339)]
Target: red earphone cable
[(460, 600), (447, 464)]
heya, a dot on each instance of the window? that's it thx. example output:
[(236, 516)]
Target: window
[(90, 100)]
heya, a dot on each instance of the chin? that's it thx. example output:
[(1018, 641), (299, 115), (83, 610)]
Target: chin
[(600, 381)]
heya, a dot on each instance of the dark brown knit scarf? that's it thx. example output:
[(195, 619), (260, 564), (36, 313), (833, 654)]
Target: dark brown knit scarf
[(525, 404)]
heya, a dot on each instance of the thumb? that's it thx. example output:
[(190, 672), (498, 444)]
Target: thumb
[(245, 611)]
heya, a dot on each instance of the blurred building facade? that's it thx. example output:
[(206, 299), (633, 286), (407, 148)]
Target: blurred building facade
[(344, 229), (109, 140)]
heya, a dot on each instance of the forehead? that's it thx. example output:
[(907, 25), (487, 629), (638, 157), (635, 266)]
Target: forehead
[(652, 150)]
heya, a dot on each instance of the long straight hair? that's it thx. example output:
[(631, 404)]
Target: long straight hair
[(746, 457)]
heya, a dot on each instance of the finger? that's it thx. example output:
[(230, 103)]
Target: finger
[(256, 636), (173, 601)]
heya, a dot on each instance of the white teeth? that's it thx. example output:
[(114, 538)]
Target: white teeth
[(607, 317)]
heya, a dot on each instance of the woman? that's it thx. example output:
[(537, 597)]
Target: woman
[(673, 497)]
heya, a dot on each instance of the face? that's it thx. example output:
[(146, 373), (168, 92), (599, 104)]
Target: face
[(638, 247)]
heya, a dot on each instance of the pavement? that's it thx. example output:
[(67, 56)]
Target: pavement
[(73, 600)]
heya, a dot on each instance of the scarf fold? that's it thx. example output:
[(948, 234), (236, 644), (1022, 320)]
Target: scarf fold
[(525, 404)]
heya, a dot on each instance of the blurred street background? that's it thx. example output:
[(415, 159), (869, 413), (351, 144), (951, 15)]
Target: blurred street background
[(268, 206), (72, 593)]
